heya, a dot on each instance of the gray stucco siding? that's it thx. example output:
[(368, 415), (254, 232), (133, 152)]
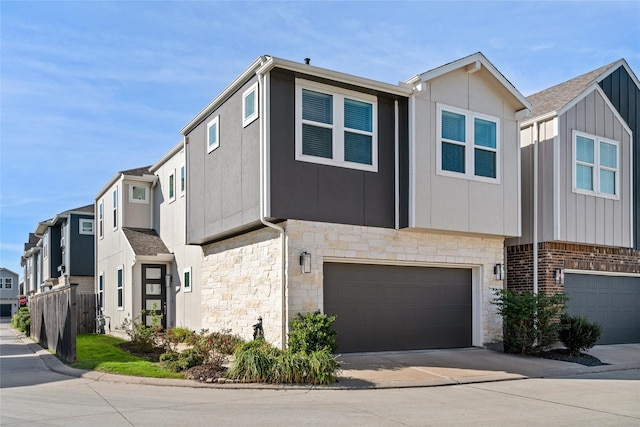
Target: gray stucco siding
[(314, 192)]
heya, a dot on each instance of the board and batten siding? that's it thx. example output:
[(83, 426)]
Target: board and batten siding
[(459, 204), (223, 191)]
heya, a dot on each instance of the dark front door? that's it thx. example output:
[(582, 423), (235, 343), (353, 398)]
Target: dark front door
[(154, 295)]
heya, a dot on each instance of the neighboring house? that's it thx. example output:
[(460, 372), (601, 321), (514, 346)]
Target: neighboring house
[(387, 205), (9, 292), (580, 200), (31, 260), (68, 250), (143, 266)]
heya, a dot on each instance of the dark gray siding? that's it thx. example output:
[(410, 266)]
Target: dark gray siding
[(81, 248), (223, 190), (308, 191), (55, 253), (625, 96)]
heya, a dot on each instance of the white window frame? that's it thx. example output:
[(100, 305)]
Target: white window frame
[(120, 288), (171, 186), (8, 282), (469, 144), (183, 180), (145, 200), (101, 219), (82, 221), (45, 246), (115, 208), (185, 272), (215, 121), (247, 120), (597, 140), (338, 128), (101, 292)]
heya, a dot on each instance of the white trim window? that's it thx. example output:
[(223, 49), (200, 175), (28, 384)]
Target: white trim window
[(120, 287), (250, 105), (45, 246), (596, 163), (115, 209), (139, 194), (183, 180), (171, 183), (101, 292), (186, 280), (468, 144), (336, 127), (85, 226), (8, 282), (101, 219), (213, 134)]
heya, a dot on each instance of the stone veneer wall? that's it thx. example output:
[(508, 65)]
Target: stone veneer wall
[(86, 284), (571, 256)]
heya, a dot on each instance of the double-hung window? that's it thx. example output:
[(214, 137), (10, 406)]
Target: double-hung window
[(115, 209), (172, 186), (85, 226), (595, 165), (186, 280), (468, 144), (8, 283), (336, 126), (100, 219), (101, 292), (120, 288)]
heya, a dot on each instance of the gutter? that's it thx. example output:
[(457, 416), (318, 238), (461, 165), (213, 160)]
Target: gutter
[(264, 168)]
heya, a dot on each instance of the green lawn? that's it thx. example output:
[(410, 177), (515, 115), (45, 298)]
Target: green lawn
[(102, 353)]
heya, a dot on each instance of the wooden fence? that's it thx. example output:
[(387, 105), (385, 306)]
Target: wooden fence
[(58, 316)]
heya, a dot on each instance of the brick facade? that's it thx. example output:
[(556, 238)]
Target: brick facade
[(569, 256)]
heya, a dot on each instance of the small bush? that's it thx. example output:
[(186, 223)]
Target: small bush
[(174, 336), (144, 338), (312, 332), (530, 320), (22, 321), (577, 333), (254, 362), (178, 362)]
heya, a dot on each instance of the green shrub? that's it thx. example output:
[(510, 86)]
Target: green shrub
[(312, 332), (216, 342), (22, 320), (145, 338), (178, 362), (254, 362), (530, 321), (577, 333)]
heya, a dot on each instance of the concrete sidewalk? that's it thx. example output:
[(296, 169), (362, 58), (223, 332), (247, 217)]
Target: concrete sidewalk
[(372, 370)]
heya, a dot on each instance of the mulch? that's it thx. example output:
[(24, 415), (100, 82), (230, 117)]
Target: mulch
[(563, 355)]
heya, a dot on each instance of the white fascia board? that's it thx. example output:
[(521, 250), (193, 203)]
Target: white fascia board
[(108, 185), (541, 118), (154, 258), (473, 60), (311, 70), (168, 156)]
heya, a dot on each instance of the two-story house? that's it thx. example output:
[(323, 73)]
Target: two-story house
[(9, 292), (143, 266), (580, 180), (67, 250), (387, 205), (31, 261)]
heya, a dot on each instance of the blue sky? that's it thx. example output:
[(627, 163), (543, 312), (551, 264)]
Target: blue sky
[(89, 88)]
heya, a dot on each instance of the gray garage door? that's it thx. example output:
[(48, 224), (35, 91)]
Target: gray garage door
[(613, 302), (382, 308), (5, 310)]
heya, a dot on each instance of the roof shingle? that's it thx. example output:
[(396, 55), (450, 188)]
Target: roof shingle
[(145, 242)]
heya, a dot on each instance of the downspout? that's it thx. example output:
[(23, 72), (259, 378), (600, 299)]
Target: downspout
[(535, 207), (264, 135)]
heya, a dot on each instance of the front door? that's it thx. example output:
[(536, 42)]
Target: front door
[(154, 295)]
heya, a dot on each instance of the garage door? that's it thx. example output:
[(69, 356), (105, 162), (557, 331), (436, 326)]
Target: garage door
[(613, 302), (382, 308), (5, 310)]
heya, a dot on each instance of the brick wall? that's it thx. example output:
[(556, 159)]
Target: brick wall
[(570, 256)]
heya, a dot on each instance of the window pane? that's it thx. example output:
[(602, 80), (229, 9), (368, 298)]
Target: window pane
[(182, 179), (358, 115), (249, 104), (584, 149), (187, 279), (485, 163), (317, 141), (607, 182), (608, 156), (171, 187), (139, 193), (484, 133), (357, 148), (153, 289), (317, 106), (453, 126), (584, 177), (153, 273), (153, 305), (119, 297), (213, 134), (453, 157), (119, 278)]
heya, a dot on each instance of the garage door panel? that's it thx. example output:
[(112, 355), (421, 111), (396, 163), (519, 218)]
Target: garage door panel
[(611, 301), (398, 308)]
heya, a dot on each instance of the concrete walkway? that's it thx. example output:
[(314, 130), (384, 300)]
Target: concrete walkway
[(359, 371)]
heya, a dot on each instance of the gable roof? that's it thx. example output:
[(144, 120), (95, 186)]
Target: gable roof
[(145, 242), (140, 172), (472, 63)]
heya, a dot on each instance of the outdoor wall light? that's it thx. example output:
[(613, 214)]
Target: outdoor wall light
[(305, 262), (559, 276), (498, 270)]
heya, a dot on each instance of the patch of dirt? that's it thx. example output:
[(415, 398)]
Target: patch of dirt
[(205, 373), (131, 347), (563, 355)]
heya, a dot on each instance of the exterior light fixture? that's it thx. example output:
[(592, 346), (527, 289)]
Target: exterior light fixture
[(559, 276), (305, 262), (498, 270)]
